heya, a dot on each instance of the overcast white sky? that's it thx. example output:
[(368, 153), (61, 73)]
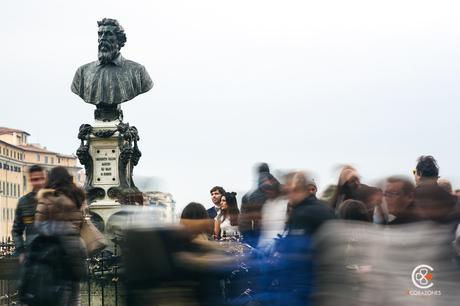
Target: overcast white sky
[(298, 84)]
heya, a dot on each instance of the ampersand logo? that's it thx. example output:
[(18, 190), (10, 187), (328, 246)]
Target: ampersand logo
[(422, 276)]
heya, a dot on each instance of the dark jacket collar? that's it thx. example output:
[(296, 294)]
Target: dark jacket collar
[(311, 200)]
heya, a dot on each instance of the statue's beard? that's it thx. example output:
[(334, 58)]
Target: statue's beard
[(107, 52)]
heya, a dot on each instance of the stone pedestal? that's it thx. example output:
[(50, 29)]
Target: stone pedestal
[(109, 152), (105, 154)]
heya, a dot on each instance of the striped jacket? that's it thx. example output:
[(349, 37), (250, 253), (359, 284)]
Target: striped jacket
[(24, 221)]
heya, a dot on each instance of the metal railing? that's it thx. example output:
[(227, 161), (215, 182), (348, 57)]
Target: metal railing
[(102, 287), (8, 273)]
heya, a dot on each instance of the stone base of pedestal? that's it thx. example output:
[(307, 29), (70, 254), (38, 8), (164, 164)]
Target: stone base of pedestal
[(102, 211), (109, 152)]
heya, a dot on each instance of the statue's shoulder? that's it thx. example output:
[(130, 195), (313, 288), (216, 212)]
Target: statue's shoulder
[(139, 70), (133, 65), (87, 66), (80, 76)]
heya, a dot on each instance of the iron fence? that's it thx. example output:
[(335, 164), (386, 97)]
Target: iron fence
[(8, 273), (102, 288)]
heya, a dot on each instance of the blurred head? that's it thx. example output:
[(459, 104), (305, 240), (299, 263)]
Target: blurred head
[(195, 218), (398, 194), (299, 187), (194, 211), (370, 196), (216, 194), (347, 186), (349, 177), (353, 210), (36, 177), (229, 207), (457, 193), (445, 184), (59, 176), (268, 184), (60, 180), (433, 203), (426, 169), (111, 38)]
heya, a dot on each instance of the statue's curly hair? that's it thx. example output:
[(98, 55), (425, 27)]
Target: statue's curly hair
[(119, 31)]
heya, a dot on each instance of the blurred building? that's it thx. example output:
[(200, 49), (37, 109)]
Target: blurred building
[(16, 156), (162, 203)]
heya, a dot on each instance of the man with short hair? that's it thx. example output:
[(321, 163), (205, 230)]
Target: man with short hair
[(294, 267), (399, 198), (427, 170), (216, 194), (25, 212), (308, 213)]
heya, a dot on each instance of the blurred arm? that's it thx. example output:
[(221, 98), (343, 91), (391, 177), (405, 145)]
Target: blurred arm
[(18, 229)]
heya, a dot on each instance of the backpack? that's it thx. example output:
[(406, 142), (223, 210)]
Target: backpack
[(41, 278)]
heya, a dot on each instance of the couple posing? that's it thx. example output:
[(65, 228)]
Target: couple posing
[(225, 213)]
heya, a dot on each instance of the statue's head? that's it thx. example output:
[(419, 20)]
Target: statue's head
[(111, 38)]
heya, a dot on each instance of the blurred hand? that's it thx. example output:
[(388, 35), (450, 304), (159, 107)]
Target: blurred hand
[(22, 256)]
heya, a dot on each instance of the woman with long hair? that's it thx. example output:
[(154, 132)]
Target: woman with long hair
[(347, 186), (59, 214), (196, 220), (226, 224)]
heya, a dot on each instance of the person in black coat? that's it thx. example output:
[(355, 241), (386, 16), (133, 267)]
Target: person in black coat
[(307, 212), (250, 222), (25, 212), (294, 270)]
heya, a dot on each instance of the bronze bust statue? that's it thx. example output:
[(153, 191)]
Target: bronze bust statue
[(112, 79)]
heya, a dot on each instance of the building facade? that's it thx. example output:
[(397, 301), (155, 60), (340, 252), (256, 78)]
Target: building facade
[(16, 156)]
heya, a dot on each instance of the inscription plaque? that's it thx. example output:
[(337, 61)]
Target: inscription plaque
[(105, 166)]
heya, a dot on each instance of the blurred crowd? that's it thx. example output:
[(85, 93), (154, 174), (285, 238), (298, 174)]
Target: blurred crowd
[(397, 243), (320, 250), (278, 207)]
